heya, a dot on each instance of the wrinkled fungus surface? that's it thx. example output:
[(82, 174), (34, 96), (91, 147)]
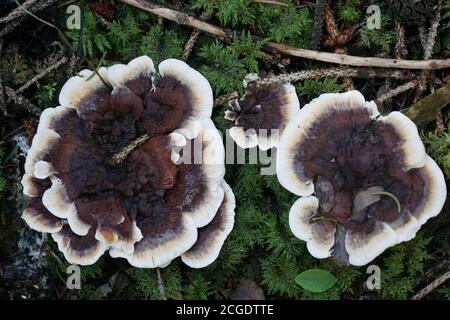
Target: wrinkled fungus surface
[(262, 114), (365, 179), (148, 206)]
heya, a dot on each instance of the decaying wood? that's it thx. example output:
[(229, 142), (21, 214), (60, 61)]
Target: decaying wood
[(428, 289), (426, 109), (187, 20)]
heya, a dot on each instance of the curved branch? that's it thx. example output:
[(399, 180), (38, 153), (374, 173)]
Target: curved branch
[(343, 59)]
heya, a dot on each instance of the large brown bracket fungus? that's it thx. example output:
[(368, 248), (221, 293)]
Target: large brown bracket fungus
[(262, 114), (149, 205), (364, 179)]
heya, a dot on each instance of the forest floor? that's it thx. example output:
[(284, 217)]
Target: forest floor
[(40, 50)]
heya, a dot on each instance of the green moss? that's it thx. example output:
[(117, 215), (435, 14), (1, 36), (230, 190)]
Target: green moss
[(261, 246)]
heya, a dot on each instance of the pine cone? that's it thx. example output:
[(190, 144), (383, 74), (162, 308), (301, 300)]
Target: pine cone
[(412, 11)]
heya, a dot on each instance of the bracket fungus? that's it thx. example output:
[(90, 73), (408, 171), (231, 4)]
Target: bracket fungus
[(262, 114), (364, 179), (96, 185)]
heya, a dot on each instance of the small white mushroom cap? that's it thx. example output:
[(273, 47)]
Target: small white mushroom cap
[(80, 87), (319, 244), (120, 74)]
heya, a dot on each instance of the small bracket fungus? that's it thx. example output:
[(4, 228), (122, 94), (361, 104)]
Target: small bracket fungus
[(364, 179), (262, 114), (113, 170)]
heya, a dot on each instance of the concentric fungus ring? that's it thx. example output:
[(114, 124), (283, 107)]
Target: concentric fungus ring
[(373, 183), (147, 207)]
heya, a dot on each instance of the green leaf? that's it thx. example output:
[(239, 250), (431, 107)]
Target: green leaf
[(316, 280), (385, 193)]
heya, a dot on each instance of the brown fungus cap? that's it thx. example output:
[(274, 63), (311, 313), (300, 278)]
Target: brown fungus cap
[(262, 114), (365, 179), (147, 207)]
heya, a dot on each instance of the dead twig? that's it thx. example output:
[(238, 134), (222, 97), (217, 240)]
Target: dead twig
[(187, 20), (429, 288), (193, 39), (190, 44), (123, 154), (42, 74), (21, 101), (277, 3), (396, 91), (18, 12), (333, 72), (34, 7), (161, 288)]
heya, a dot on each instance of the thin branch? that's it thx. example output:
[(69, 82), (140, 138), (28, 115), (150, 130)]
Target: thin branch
[(12, 24), (21, 101), (190, 44), (10, 27), (333, 72), (18, 12), (277, 3), (429, 288), (396, 91), (161, 288), (187, 20), (193, 38), (123, 154), (42, 74)]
